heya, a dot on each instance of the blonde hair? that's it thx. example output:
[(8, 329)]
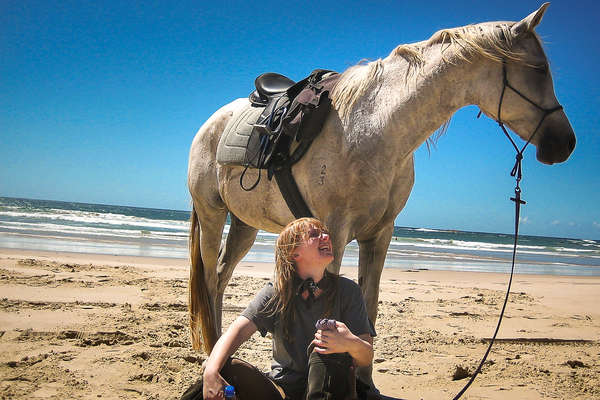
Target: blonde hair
[(292, 236)]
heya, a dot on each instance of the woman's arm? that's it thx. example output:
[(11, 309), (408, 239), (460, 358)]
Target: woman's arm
[(341, 340), (238, 332)]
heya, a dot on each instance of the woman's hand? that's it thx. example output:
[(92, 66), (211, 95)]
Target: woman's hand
[(212, 385), (341, 340), (238, 332), (338, 340)]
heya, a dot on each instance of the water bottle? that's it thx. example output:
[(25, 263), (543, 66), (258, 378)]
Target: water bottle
[(229, 392)]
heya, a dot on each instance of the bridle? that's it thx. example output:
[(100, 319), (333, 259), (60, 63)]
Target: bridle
[(545, 112), (517, 174)]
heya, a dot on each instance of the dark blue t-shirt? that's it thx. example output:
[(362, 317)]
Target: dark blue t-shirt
[(290, 358)]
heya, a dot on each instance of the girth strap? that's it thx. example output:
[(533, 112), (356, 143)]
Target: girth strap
[(291, 194)]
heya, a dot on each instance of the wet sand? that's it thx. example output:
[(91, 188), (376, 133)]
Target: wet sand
[(96, 326)]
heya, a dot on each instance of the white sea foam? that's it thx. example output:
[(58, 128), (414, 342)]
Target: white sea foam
[(426, 230), (87, 217), (112, 229), (52, 229), (126, 226), (487, 247)]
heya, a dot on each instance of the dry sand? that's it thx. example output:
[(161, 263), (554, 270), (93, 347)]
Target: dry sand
[(90, 326)]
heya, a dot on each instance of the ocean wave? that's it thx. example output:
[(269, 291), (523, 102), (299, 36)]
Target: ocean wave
[(52, 224), (426, 230), (122, 226), (475, 246), (87, 217), (52, 229)]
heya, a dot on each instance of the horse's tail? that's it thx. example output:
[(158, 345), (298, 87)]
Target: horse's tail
[(202, 319)]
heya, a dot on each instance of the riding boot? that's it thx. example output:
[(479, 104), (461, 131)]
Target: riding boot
[(365, 387), (330, 377)]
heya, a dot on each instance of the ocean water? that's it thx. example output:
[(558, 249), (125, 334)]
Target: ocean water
[(120, 230)]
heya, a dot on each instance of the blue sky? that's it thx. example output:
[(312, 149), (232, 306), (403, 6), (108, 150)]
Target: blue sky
[(100, 100)]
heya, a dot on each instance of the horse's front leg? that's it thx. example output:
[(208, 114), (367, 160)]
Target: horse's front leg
[(339, 239), (239, 240), (371, 257)]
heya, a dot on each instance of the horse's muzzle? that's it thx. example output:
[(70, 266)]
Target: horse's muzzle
[(556, 143)]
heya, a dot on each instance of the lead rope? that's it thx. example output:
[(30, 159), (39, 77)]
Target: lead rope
[(517, 174), (518, 202)]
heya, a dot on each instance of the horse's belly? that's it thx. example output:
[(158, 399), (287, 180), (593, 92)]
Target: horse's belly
[(262, 207)]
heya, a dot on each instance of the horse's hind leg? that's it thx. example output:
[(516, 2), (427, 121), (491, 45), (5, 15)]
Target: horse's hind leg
[(239, 240), (206, 230)]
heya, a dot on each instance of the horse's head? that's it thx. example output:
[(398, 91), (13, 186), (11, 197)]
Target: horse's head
[(526, 102)]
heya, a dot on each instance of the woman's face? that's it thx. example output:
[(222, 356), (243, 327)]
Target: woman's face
[(315, 253)]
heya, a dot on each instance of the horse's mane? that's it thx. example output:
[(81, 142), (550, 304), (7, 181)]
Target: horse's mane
[(492, 40)]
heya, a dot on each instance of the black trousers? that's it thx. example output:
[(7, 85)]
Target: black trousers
[(330, 377), (249, 383)]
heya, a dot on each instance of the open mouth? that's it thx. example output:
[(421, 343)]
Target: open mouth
[(325, 249)]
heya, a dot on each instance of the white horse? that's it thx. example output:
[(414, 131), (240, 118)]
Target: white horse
[(358, 173)]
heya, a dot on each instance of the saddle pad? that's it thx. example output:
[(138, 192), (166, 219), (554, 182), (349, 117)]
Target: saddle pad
[(231, 149)]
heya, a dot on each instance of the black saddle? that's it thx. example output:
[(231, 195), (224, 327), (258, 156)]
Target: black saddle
[(291, 112), (273, 133), (268, 85)]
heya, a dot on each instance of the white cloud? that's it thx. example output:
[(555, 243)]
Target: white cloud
[(596, 224), (572, 223), (524, 220), (555, 222)]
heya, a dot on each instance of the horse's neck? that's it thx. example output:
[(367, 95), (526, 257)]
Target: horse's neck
[(416, 107)]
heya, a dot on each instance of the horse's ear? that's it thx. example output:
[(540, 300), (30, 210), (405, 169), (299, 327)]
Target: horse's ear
[(528, 23)]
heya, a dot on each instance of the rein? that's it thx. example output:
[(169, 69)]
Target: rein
[(517, 174)]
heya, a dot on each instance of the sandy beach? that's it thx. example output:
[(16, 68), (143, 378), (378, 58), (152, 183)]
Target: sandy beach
[(96, 326)]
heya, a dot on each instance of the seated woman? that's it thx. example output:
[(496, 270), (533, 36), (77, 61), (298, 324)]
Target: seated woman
[(305, 359)]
